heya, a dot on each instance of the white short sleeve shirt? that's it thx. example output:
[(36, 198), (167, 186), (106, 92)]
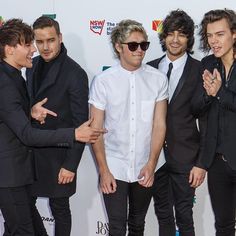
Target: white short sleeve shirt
[(128, 99)]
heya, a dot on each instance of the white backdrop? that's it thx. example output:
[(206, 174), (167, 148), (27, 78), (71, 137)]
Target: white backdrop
[(88, 43)]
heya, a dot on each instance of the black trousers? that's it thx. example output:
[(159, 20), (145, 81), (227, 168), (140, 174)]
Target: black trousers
[(172, 189), (131, 197), (163, 202), (60, 209), (222, 190), (15, 207), (183, 196)]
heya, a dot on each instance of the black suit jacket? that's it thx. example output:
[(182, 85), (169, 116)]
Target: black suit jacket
[(16, 133), (182, 144), (210, 107), (66, 87)]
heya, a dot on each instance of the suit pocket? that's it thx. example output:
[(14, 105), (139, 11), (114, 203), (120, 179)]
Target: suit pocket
[(147, 108)]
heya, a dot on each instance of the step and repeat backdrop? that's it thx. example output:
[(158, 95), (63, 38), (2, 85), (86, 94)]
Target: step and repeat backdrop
[(86, 28)]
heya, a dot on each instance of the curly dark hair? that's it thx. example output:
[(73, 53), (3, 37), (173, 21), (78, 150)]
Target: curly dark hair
[(213, 16), (178, 20), (13, 32)]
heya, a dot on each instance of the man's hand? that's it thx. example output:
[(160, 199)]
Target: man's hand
[(65, 176), (212, 82), (196, 176), (146, 175), (107, 182), (39, 113), (87, 134)]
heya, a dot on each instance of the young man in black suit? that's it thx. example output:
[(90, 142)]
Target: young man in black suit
[(16, 133), (182, 145), (59, 79), (216, 100)]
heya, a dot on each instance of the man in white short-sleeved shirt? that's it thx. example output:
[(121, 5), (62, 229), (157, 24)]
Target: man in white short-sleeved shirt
[(130, 101)]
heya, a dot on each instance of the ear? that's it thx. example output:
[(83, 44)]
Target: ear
[(60, 37), (9, 50), (118, 47), (234, 35)]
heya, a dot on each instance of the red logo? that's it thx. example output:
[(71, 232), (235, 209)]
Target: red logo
[(157, 25), (97, 26)]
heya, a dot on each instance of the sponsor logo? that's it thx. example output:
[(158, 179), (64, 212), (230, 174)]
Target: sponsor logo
[(52, 16), (157, 25), (105, 67), (49, 220), (110, 26), (96, 26), (102, 228), (1, 21), (102, 26)]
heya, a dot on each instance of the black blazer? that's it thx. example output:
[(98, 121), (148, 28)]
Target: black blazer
[(210, 107), (16, 133), (182, 144), (66, 87)]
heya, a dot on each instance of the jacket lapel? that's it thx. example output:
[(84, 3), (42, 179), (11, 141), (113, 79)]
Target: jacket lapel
[(182, 80)]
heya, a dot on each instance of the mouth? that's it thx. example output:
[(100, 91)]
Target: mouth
[(30, 59), (175, 46), (216, 49)]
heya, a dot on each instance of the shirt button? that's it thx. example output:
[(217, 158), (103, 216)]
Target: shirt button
[(218, 98)]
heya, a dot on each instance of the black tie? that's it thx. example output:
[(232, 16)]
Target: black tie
[(169, 70)]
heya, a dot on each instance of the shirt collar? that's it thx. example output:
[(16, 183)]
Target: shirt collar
[(131, 72), (178, 62)]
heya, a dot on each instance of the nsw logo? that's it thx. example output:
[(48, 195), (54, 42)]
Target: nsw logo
[(96, 26)]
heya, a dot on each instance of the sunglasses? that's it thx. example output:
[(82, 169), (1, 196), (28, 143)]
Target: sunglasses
[(133, 46)]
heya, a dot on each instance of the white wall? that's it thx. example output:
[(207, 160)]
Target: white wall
[(93, 51)]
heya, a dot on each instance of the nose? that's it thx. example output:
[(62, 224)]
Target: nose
[(175, 37), (213, 39), (45, 46)]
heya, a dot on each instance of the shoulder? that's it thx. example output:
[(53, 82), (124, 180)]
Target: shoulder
[(152, 71), (209, 61), (193, 61), (73, 69), (107, 74), (155, 63)]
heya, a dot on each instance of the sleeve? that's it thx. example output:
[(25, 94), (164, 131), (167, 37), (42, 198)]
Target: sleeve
[(227, 98), (14, 117), (163, 88), (78, 96), (97, 96), (200, 102)]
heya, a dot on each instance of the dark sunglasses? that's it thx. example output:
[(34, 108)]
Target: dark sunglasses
[(133, 46)]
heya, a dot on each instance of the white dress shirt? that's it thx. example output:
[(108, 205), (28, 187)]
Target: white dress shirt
[(176, 73), (128, 99)]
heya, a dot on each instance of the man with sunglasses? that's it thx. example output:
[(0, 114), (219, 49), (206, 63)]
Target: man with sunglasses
[(129, 99), (182, 144)]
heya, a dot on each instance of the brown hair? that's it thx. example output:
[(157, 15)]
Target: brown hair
[(14, 32), (45, 21), (213, 16)]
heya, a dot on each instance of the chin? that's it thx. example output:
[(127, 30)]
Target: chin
[(29, 65)]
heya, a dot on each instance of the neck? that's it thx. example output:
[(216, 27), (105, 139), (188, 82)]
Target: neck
[(10, 62)]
